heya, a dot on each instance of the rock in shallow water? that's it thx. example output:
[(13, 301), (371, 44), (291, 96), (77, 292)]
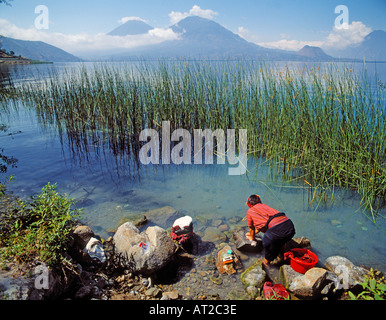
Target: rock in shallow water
[(213, 234)]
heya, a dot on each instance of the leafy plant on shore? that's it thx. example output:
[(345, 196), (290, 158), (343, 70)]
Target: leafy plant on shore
[(37, 229), (374, 288)]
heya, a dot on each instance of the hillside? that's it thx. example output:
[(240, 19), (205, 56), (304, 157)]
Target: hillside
[(8, 58), (37, 50), (314, 53)]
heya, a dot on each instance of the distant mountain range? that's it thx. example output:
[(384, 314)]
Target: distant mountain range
[(131, 27), (203, 38), (206, 39), (36, 50), (200, 39)]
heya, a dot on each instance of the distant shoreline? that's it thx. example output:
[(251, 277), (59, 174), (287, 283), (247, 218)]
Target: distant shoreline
[(22, 61)]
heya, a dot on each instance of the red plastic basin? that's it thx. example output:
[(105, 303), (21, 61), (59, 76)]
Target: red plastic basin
[(302, 260)]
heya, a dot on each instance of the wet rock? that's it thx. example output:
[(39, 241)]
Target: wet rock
[(244, 244), (335, 222), (213, 234), (202, 219), (81, 236), (254, 275), (238, 295), (216, 222), (216, 280), (82, 203), (235, 219), (351, 276), (252, 291), (310, 285), (163, 217), (143, 252), (170, 295), (287, 275), (333, 284), (299, 242), (88, 292), (242, 256), (138, 221), (223, 227), (153, 292), (229, 268)]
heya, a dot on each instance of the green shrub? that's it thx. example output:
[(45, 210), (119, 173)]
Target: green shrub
[(374, 288), (39, 228)]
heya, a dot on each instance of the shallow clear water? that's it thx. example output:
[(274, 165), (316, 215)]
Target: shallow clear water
[(109, 190)]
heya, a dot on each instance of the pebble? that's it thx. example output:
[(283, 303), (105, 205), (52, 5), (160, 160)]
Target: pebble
[(170, 295), (153, 292), (216, 222), (217, 280), (335, 222), (223, 227)]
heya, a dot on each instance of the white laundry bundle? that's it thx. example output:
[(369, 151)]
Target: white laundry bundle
[(95, 250)]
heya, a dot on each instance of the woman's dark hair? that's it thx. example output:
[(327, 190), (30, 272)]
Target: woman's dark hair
[(254, 199)]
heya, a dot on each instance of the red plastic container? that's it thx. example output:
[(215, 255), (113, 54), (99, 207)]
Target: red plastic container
[(302, 260), (274, 291)]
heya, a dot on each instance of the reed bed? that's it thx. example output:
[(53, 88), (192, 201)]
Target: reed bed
[(324, 127)]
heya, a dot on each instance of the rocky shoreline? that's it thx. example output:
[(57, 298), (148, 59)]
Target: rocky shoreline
[(141, 262)]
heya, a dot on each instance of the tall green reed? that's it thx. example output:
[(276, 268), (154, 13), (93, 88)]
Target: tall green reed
[(322, 126)]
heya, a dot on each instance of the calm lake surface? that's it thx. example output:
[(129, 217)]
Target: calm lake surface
[(109, 189)]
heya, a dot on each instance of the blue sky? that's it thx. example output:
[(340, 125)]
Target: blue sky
[(270, 22)]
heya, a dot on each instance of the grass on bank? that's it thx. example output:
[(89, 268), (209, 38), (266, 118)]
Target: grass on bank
[(36, 229)]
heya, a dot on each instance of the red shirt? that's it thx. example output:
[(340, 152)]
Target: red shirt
[(258, 215)]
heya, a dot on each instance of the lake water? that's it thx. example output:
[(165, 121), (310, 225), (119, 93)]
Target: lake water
[(109, 189)]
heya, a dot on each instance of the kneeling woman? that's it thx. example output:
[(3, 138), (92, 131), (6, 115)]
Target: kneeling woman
[(278, 228)]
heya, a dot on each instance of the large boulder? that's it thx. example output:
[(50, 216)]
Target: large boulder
[(350, 275), (143, 252), (254, 276), (311, 284), (287, 275)]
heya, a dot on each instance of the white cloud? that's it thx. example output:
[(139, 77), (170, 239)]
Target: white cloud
[(125, 19), (350, 35), (292, 45), (176, 16), (339, 38), (84, 42), (247, 34)]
